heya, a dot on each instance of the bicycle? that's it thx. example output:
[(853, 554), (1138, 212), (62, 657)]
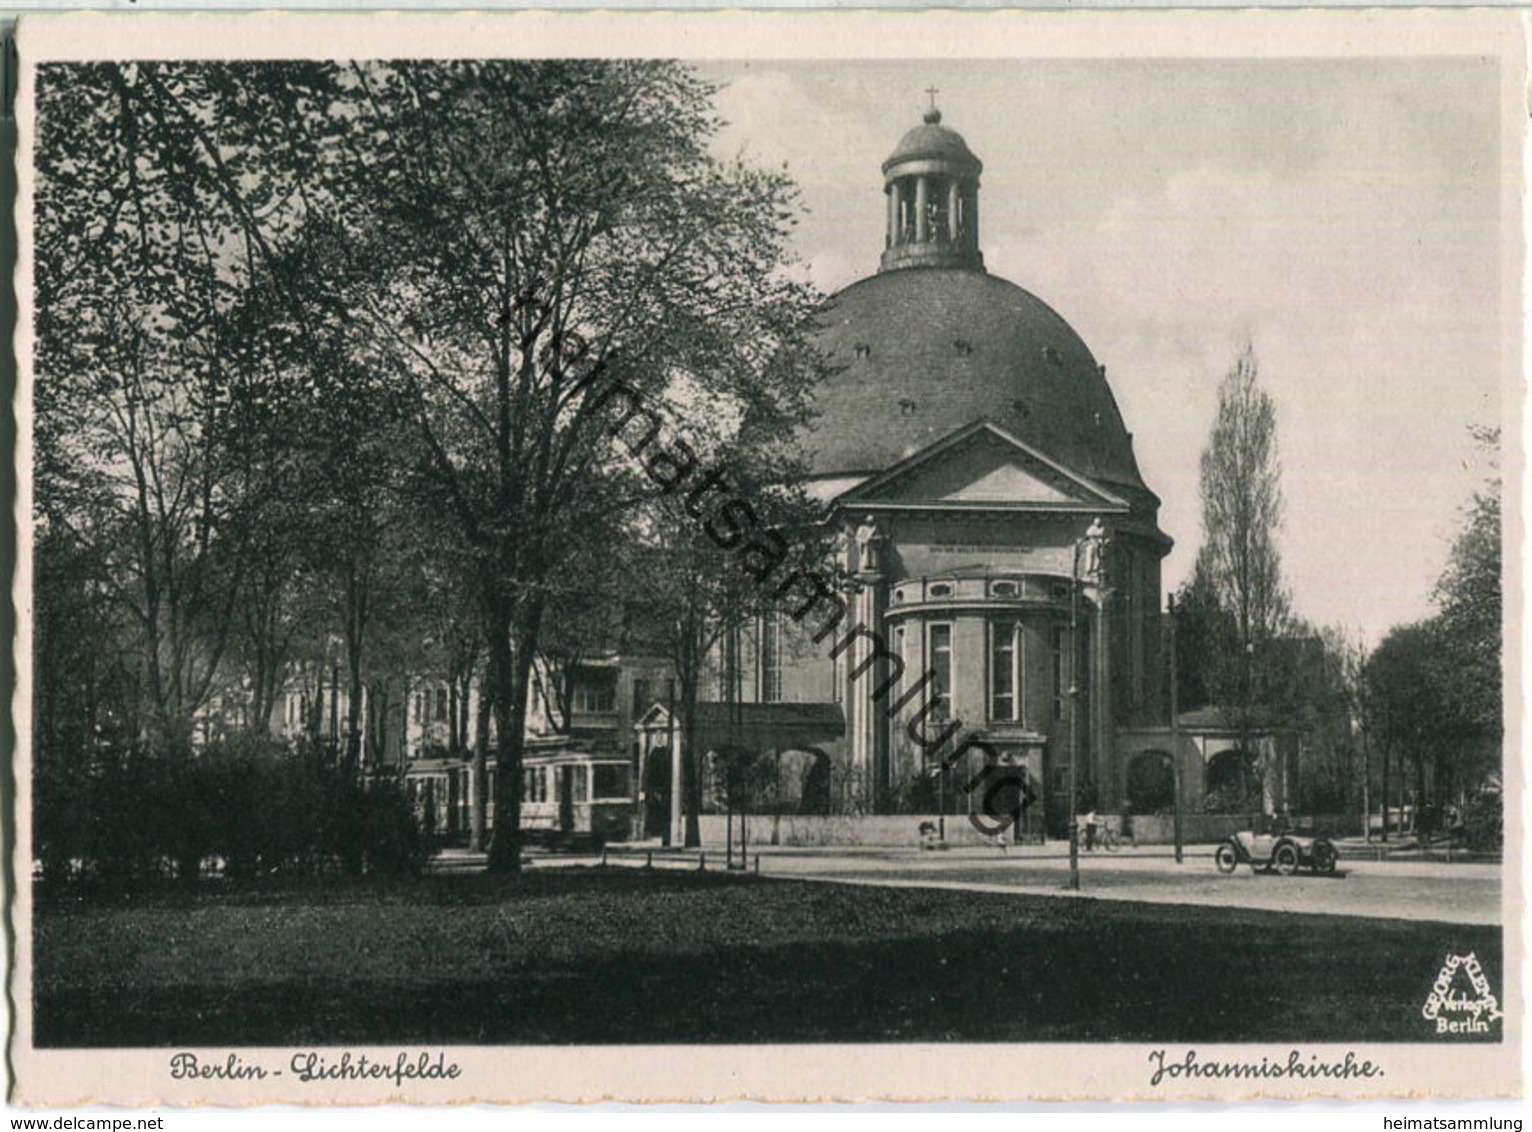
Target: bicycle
[(1101, 836)]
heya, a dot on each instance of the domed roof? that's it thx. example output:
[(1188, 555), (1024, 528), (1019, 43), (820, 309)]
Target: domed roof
[(932, 140), (919, 353)]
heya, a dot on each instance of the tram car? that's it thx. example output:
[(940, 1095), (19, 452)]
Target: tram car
[(576, 798), (440, 792)]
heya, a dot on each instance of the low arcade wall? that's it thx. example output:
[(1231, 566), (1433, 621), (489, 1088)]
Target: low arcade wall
[(903, 830), (872, 830)]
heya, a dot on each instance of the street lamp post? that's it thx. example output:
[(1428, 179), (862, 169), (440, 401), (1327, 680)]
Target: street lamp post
[(941, 804), (1074, 715), (1095, 537), (1247, 723), (1175, 733)]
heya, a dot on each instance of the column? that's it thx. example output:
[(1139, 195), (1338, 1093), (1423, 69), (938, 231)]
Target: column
[(893, 214), (953, 226), (972, 212), (921, 235), (866, 728), (677, 817), (858, 705), (640, 788), (1102, 737), (876, 721)]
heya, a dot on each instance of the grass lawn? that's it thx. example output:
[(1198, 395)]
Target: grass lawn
[(628, 956)]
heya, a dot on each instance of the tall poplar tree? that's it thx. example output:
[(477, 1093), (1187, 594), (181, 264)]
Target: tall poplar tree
[(1239, 567)]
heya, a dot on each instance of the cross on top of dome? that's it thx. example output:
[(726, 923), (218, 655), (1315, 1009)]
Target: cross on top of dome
[(932, 116)]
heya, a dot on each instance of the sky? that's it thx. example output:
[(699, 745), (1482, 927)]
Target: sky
[(1345, 216)]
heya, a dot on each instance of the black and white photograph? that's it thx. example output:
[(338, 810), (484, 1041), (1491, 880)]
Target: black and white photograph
[(781, 557)]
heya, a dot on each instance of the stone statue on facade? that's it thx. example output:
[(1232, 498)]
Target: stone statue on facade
[(1094, 544), (867, 539)]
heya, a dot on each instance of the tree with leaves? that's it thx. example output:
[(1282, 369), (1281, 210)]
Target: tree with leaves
[(1413, 729), (1471, 604), (695, 597), (457, 248), (1204, 632), (531, 224), (1242, 506), (1435, 684), (1238, 576), (165, 191)]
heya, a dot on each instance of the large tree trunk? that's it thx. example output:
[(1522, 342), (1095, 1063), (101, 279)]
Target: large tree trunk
[(1387, 750), (511, 677), (1444, 791), (271, 687), (479, 811), (260, 703), (270, 644), (1366, 793), (505, 845), (357, 595), (1420, 792), (378, 704), (354, 715), (691, 768), (462, 695)]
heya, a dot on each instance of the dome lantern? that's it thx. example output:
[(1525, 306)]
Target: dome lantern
[(931, 182), (933, 342)]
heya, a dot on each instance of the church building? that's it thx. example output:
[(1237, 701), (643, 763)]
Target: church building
[(997, 536)]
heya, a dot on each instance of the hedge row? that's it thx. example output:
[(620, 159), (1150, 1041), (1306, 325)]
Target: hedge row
[(242, 810)]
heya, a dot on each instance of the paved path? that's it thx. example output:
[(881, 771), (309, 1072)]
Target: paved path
[(1468, 893)]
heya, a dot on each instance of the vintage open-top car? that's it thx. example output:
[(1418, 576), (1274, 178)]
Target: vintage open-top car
[(1283, 853)]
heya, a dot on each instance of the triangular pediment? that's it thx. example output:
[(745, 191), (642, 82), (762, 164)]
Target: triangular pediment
[(983, 466), (656, 717), (1010, 482)]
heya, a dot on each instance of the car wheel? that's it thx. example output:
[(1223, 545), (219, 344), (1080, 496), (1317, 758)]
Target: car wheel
[(1285, 860), (1225, 859), (1324, 858)]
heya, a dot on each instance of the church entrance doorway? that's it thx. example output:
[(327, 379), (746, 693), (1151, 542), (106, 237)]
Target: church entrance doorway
[(657, 792), (1233, 783)]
